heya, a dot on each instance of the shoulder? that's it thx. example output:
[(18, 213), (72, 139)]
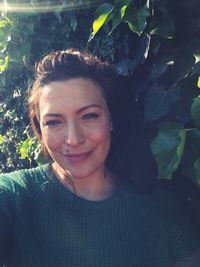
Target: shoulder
[(171, 213), (160, 196), (161, 204), (24, 179), (164, 203), (167, 211)]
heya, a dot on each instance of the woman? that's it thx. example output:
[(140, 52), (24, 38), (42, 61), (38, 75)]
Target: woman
[(79, 210)]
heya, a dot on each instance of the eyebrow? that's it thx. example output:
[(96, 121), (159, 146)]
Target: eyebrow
[(52, 115), (89, 106), (79, 110)]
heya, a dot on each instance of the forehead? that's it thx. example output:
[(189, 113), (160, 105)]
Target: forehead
[(70, 94)]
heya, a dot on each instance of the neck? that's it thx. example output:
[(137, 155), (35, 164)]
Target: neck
[(96, 187)]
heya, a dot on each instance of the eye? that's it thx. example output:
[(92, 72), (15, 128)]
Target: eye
[(52, 123), (90, 116)]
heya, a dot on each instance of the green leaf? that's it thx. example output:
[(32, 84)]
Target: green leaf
[(168, 147), (5, 22), (4, 64), (195, 111), (159, 100), (24, 149), (198, 82), (123, 11), (1, 138), (102, 14), (197, 169), (116, 20), (197, 56), (136, 19)]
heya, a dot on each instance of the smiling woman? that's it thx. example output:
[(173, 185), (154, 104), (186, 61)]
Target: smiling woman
[(80, 210)]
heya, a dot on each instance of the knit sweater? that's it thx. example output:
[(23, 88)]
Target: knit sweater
[(43, 224)]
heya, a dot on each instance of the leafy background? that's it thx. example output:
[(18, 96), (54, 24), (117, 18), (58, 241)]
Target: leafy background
[(153, 44)]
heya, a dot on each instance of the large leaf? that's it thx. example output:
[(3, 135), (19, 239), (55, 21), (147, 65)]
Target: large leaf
[(136, 19), (168, 147), (159, 100), (116, 19), (195, 112), (102, 14)]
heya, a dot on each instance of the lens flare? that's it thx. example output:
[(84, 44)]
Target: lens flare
[(46, 6)]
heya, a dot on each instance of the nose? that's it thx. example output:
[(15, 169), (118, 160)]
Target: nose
[(74, 134)]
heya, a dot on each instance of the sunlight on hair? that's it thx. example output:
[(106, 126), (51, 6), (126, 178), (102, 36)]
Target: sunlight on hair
[(46, 6)]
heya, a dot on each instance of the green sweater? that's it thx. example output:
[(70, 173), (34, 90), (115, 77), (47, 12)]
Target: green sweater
[(43, 224)]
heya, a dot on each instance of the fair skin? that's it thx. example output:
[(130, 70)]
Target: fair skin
[(75, 129)]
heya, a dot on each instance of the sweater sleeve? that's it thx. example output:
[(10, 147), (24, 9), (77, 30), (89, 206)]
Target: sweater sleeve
[(182, 241), (6, 221), (184, 246)]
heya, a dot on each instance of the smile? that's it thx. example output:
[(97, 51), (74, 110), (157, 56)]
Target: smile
[(77, 157)]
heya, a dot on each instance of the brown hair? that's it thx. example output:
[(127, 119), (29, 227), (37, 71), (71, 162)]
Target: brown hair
[(66, 65)]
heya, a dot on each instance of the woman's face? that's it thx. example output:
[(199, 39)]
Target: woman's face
[(75, 126)]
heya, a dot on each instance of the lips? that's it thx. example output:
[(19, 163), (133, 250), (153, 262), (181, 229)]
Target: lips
[(77, 157)]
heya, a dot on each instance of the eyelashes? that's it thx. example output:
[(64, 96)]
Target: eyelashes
[(90, 116), (52, 123), (86, 117)]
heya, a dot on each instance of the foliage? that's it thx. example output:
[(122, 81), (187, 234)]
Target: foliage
[(168, 147), (24, 38), (154, 43), (171, 69)]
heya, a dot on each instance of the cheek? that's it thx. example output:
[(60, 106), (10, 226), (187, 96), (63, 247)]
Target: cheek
[(102, 135), (51, 140)]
